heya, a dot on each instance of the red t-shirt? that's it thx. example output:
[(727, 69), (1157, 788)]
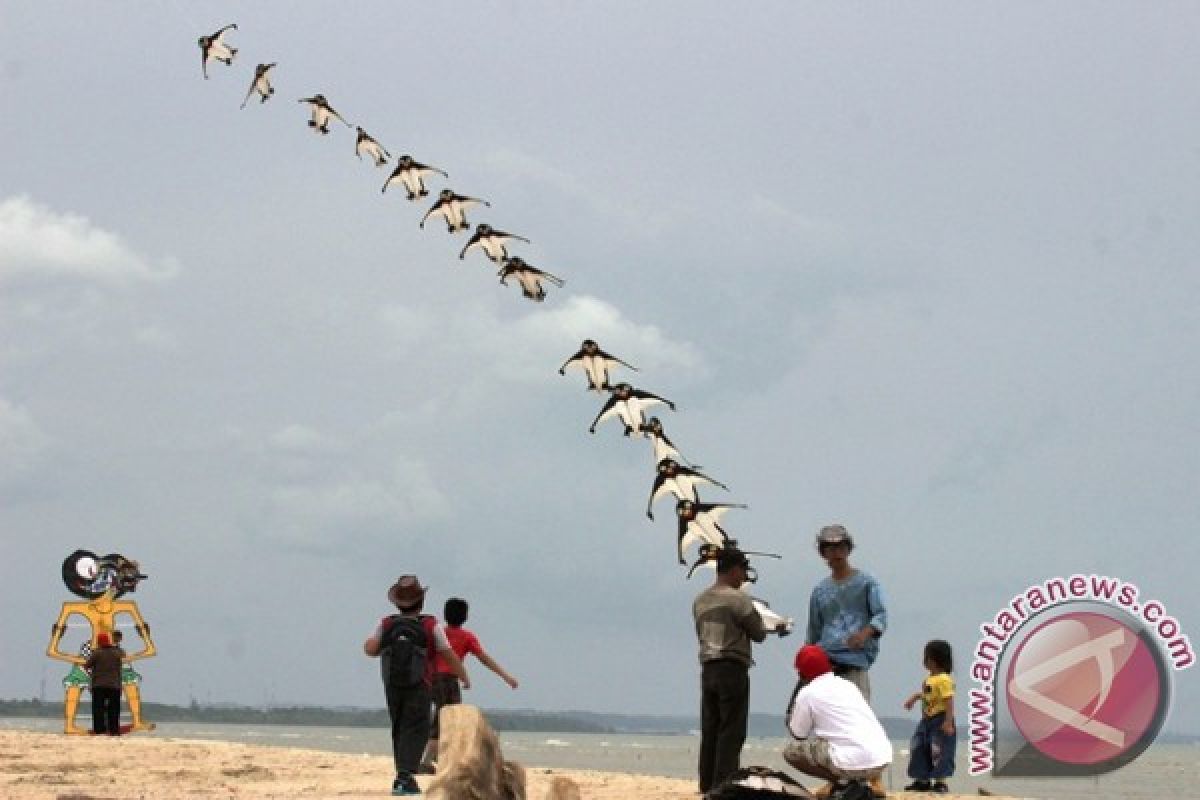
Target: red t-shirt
[(462, 641)]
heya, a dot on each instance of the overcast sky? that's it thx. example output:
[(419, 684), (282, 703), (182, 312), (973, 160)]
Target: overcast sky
[(928, 272)]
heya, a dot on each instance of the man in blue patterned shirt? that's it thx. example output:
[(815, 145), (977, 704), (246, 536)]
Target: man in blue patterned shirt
[(846, 615)]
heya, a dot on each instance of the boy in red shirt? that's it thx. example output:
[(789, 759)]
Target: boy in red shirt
[(446, 689)]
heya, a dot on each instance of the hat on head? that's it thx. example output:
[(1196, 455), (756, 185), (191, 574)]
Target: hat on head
[(103, 640), (407, 592), (812, 661), (834, 534)]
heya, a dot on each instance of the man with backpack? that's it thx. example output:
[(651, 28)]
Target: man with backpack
[(408, 643)]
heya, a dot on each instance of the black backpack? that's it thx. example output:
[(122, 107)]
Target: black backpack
[(405, 651)]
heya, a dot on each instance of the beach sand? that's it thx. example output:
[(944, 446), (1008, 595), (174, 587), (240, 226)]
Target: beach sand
[(53, 766)]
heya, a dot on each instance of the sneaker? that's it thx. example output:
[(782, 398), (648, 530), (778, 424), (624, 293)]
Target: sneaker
[(918, 786), (940, 787), (405, 786)]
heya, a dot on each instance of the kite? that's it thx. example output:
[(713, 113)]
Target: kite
[(629, 404), (671, 476), (529, 277), (410, 174), (322, 112), (453, 207), (491, 242), (595, 363), (100, 581), (214, 47), (260, 84), (700, 522), (366, 144)]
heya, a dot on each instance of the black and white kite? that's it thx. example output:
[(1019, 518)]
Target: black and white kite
[(595, 363), (671, 476), (410, 174), (529, 277), (322, 112), (652, 429), (629, 405), (700, 523), (366, 144), (260, 84), (453, 207), (491, 242), (214, 47)]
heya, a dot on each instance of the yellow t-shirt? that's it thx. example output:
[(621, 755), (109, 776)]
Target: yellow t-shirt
[(934, 693)]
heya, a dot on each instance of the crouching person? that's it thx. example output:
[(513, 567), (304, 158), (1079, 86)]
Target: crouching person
[(838, 737)]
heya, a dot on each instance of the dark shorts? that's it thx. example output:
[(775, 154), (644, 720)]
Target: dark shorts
[(446, 692)]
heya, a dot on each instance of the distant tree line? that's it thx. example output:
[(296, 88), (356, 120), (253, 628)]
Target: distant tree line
[(312, 715)]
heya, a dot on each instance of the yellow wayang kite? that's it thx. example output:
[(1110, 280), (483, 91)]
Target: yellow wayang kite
[(100, 581)]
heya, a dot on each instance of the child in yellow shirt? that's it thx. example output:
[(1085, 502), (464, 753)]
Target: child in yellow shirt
[(931, 752)]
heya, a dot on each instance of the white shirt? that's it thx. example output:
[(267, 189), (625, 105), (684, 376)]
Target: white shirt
[(833, 709)]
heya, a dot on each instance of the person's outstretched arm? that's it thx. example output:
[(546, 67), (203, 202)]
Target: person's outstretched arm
[(491, 664)]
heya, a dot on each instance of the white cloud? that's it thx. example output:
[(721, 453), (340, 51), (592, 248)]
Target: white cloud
[(333, 510), (546, 337), (36, 241)]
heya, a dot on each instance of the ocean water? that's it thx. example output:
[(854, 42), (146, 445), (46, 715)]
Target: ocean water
[(1163, 771)]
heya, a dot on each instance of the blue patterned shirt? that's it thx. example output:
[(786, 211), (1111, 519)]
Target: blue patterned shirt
[(837, 610)]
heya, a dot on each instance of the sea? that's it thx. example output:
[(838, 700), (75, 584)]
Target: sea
[(1163, 772)]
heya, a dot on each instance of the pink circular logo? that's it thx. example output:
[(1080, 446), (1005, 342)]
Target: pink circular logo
[(1084, 688)]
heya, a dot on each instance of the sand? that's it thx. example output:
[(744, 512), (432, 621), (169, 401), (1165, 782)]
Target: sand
[(58, 767)]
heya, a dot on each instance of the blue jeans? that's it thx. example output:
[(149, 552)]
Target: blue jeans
[(931, 752)]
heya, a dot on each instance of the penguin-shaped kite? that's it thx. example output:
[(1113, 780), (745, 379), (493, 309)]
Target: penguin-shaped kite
[(671, 476), (652, 429), (699, 522), (410, 174), (595, 363), (629, 404), (322, 112), (261, 83), (366, 144), (453, 207), (491, 242), (529, 277), (214, 47)]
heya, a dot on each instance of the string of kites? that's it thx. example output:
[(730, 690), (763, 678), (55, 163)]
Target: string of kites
[(698, 523)]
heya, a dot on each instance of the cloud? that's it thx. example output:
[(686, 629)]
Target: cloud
[(320, 493), (38, 242), (546, 337)]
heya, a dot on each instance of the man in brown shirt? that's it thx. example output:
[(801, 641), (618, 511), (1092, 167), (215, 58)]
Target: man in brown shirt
[(104, 666), (726, 624)]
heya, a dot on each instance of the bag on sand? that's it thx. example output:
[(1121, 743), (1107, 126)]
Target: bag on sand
[(758, 783), (405, 651)]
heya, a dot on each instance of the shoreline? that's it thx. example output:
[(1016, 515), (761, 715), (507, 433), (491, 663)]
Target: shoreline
[(53, 766)]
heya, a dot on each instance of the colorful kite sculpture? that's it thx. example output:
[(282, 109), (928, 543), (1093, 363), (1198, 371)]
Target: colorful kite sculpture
[(100, 581)]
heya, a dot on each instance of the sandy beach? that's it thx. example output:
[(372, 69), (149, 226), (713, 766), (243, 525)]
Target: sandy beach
[(58, 767)]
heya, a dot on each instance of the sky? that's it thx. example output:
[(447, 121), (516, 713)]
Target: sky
[(928, 272)]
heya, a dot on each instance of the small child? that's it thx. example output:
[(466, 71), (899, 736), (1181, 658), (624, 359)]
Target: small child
[(446, 689), (931, 758)]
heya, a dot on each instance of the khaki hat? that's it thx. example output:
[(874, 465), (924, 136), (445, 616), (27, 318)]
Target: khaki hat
[(407, 592), (834, 534)]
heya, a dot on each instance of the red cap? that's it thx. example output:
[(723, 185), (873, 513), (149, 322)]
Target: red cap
[(812, 661), (103, 640)]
